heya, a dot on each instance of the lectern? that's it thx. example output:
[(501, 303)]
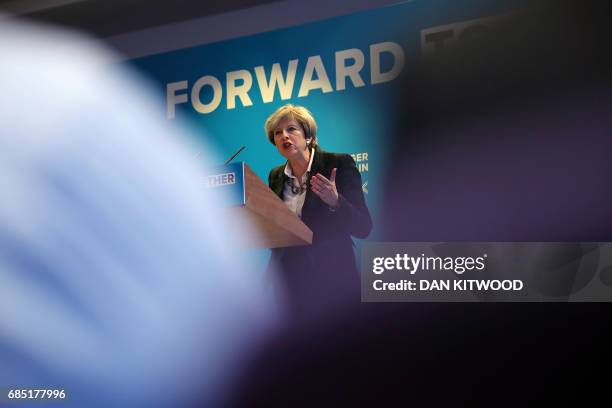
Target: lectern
[(249, 198)]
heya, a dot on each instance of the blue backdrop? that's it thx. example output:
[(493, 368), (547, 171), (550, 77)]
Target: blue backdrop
[(352, 120)]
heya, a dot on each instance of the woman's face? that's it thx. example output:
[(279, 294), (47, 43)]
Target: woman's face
[(289, 138)]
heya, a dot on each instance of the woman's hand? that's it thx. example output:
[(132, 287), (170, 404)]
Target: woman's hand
[(326, 188)]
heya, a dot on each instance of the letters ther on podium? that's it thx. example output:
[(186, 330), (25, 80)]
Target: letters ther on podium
[(249, 198)]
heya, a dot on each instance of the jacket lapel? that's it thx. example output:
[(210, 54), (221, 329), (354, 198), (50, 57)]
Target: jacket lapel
[(317, 167), (279, 183)]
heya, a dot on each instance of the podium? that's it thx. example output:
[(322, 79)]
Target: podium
[(247, 197)]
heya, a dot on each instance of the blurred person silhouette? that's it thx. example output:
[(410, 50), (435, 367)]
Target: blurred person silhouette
[(503, 136), (118, 281)]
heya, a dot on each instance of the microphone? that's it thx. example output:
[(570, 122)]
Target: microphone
[(234, 155)]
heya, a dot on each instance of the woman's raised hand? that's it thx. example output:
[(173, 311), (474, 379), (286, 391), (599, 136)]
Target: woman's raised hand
[(325, 188)]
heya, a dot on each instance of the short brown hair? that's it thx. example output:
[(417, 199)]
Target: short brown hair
[(300, 114)]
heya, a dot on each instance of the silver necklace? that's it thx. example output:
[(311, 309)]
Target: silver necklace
[(299, 189)]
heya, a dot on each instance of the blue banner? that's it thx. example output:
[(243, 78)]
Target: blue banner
[(343, 70)]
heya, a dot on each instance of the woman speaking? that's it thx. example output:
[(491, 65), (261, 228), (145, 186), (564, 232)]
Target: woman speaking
[(324, 190)]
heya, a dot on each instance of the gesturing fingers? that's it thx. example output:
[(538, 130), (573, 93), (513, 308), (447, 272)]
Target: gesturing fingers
[(325, 188), (315, 187), (332, 178), (322, 178), (319, 186), (325, 195)]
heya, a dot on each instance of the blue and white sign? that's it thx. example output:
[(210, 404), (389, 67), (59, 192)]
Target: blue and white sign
[(343, 70), (227, 181)]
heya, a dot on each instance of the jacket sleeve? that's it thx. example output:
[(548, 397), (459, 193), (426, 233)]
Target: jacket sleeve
[(353, 211), (271, 178)]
